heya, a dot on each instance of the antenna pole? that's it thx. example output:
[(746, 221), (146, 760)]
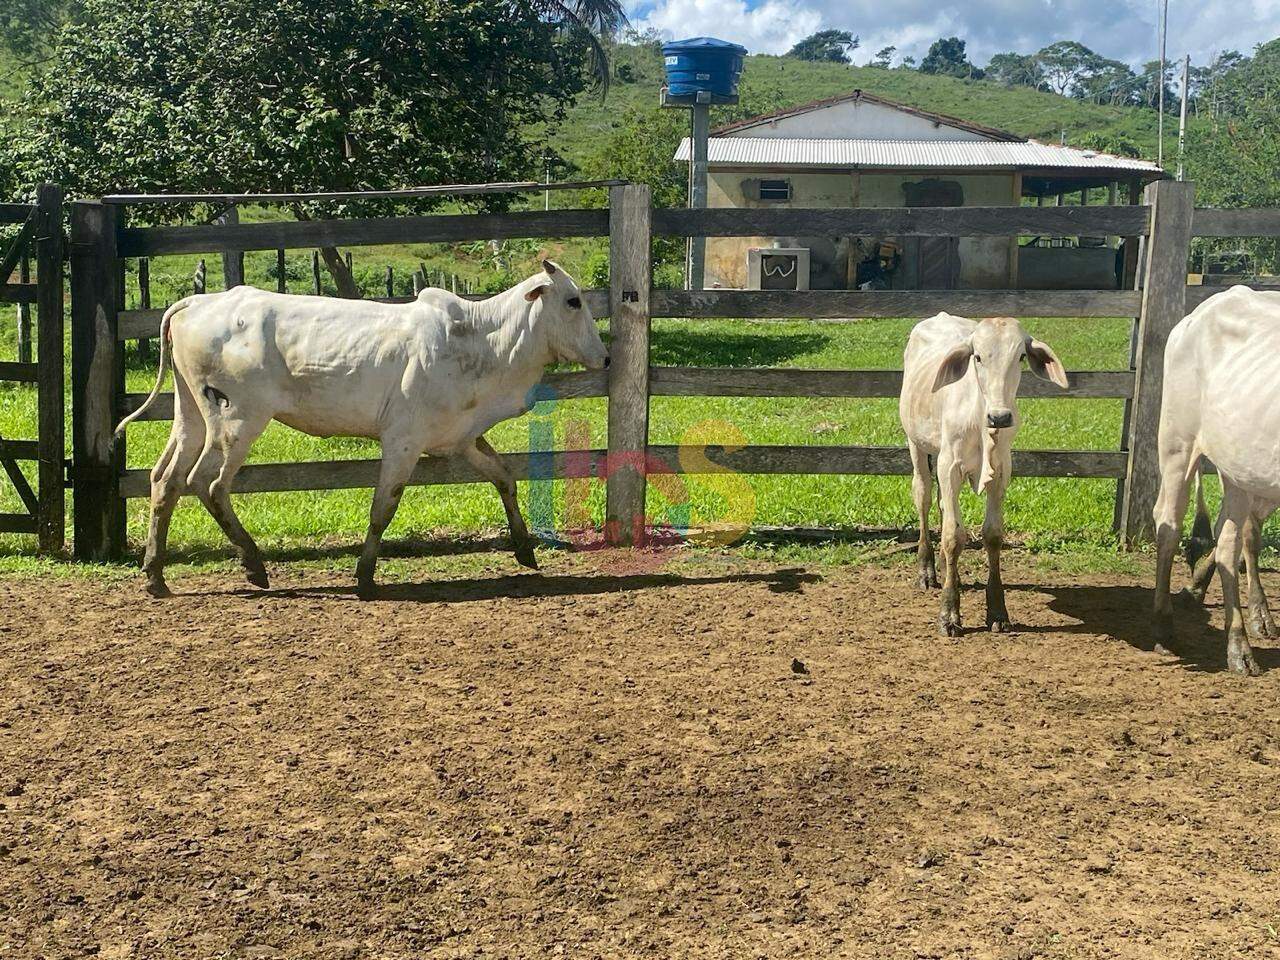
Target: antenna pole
[(1164, 31), (1182, 122)]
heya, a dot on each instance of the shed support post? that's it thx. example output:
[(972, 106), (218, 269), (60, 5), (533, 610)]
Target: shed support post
[(50, 398), (97, 381), (701, 132), (1164, 299), (630, 219)]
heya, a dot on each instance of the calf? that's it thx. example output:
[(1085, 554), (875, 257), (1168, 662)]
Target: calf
[(430, 376), (958, 408), (1221, 401)]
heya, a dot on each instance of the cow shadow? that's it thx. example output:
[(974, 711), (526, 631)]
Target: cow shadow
[(1124, 612), (538, 586)]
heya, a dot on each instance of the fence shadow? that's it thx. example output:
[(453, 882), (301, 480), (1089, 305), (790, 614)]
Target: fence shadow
[(705, 348), (536, 586), (1124, 612)]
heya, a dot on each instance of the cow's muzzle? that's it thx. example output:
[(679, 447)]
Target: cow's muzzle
[(998, 419)]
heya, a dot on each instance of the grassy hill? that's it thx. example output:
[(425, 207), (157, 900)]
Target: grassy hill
[(772, 82)]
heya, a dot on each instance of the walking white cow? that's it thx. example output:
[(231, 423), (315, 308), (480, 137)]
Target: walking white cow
[(1221, 401), (958, 407), (430, 376)]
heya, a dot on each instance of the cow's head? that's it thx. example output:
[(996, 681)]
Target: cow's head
[(571, 330), (997, 348)]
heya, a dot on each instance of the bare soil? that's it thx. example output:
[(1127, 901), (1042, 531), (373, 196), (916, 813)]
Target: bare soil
[(731, 761)]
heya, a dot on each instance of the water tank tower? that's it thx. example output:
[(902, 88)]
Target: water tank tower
[(700, 72)]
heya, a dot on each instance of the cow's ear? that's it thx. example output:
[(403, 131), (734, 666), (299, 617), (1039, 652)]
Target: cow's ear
[(1045, 364), (537, 290), (954, 366), (548, 266)]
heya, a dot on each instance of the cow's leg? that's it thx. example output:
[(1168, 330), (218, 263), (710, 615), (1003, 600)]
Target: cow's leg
[(168, 483), (922, 490), (1261, 624), (1201, 544), (230, 435), (950, 479), (1171, 507), (398, 460), (1236, 517), (993, 542), (486, 460)]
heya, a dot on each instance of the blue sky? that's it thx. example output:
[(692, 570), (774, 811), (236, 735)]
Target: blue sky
[(1121, 29)]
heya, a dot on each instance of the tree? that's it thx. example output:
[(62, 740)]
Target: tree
[(833, 46), (299, 95), (1064, 63), (907, 63), (1108, 81), (1150, 84), (947, 57), (25, 24), (1016, 70), (884, 58)]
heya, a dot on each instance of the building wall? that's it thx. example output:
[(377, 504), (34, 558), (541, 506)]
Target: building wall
[(859, 120), (984, 260)]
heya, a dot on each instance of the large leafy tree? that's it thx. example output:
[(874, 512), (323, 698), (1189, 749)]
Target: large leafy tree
[(833, 46), (1016, 70), (1064, 63), (302, 95), (947, 57)]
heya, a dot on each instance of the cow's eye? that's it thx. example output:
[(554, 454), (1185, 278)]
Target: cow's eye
[(575, 302)]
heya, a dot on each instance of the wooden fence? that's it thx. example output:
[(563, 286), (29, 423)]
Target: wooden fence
[(1166, 221), (39, 236)]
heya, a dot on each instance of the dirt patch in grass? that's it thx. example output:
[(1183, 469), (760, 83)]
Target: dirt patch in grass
[(728, 761)]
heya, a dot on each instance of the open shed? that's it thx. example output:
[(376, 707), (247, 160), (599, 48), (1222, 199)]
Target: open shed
[(861, 150)]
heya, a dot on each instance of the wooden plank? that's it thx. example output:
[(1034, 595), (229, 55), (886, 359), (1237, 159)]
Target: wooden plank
[(450, 228), (20, 484), (700, 304), (1261, 222), (17, 246), (354, 474), (232, 261), (1199, 294), (776, 382), (903, 222), (447, 189), (17, 293), (892, 461), (883, 461), (14, 212), (136, 324), (96, 376), (19, 449), (571, 385), (630, 213), (1163, 306), (51, 390), (19, 372), (17, 523)]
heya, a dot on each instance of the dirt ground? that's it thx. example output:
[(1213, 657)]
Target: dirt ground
[(609, 764)]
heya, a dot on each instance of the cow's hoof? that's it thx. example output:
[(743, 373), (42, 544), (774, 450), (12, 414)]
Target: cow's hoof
[(1162, 639), (998, 624), (526, 558), (949, 628), (157, 588), (258, 578), (1240, 660), (928, 580)]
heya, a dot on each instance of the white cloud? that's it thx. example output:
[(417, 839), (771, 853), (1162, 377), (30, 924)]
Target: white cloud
[(1122, 29)]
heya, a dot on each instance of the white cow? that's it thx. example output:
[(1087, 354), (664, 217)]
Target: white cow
[(958, 408), (1221, 401), (429, 376)]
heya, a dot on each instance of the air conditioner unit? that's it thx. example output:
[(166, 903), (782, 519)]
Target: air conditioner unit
[(778, 268)]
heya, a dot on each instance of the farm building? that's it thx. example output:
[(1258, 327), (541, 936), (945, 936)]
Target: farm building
[(860, 150)]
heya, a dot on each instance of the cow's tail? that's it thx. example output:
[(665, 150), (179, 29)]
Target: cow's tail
[(1201, 542), (165, 359)]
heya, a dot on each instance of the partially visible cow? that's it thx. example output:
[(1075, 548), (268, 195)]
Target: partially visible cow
[(430, 376), (959, 410), (1221, 401)]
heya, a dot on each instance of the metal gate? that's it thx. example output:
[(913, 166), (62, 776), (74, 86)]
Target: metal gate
[(39, 239)]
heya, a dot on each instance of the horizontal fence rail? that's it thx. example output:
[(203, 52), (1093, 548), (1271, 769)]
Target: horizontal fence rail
[(1209, 222), (834, 304), (1130, 221)]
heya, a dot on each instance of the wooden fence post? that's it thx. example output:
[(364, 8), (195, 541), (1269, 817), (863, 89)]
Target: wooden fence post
[(1164, 300), (24, 311), (232, 261), (50, 403), (630, 222), (97, 370)]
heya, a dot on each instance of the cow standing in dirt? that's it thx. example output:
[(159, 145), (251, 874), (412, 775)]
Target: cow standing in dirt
[(430, 376), (1221, 401), (959, 410)]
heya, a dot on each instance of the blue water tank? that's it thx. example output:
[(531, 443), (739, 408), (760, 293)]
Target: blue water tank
[(703, 63)]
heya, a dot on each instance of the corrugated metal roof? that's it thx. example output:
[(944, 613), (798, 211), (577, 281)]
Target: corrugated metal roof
[(948, 154)]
